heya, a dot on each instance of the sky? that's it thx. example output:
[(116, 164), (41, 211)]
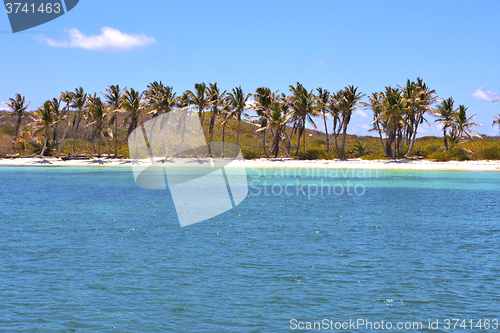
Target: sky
[(452, 45)]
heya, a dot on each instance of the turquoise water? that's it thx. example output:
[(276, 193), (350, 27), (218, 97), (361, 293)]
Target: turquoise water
[(86, 250)]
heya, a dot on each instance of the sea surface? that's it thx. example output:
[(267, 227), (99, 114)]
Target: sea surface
[(83, 249)]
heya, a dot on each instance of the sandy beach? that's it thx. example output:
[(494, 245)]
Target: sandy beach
[(481, 165)]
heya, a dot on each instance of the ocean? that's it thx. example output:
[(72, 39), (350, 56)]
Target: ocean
[(83, 249)]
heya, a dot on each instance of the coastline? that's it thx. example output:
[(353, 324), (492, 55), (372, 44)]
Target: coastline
[(475, 165)]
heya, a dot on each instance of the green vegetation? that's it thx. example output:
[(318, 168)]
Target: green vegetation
[(263, 124)]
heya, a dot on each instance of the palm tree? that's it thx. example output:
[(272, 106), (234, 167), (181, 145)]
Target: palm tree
[(66, 97), (132, 104), (97, 114), (201, 99), (58, 114), (182, 101), (336, 113), (237, 100), (79, 101), (278, 116), (497, 121), (323, 101), (45, 119), (394, 107), (462, 125), (113, 101), (19, 107), (445, 114), (378, 123), (160, 98), (348, 99), (216, 100), (421, 98), (226, 114), (151, 96), (264, 99), (286, 108), (302, 103)]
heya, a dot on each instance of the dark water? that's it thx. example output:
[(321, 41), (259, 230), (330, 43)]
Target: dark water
[(86, 250)]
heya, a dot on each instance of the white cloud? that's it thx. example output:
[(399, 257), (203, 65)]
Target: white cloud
[(485, 95), (360, 114), (425, 130), (110, 39), (250, 103)]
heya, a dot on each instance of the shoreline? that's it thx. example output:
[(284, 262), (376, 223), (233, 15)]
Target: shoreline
[(475, 165)]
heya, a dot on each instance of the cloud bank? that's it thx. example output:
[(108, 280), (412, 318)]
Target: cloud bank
[(110, 39), (485, 95)]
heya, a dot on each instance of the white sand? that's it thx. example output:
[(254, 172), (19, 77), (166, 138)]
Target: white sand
[(483, 165)]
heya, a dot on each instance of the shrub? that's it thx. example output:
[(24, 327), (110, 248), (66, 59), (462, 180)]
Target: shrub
[(374, 156), (359, 149), (491, 153), (426, 148), (34, 147), (440, 156), (315, 154), (5, 145), (250, 155), (456, 154), (9, 130)]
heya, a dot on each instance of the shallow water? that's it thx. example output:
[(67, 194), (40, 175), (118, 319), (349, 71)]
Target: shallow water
[(86, 250)]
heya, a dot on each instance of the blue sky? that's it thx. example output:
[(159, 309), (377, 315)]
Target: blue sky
[(452, 45)]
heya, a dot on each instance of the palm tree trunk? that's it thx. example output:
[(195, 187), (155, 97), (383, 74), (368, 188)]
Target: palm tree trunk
[(18, 123), (304, 138), (298, 140), (76, 123), (453, 144), (211, 130), (93, 139), (327, 138), (223, 138), (146, 140), (413, 139), (196, 146), (116, 134), (238, 130), (107, 146), (264, 142), (276, 143), (342, 149), (394, 143), (54, 137), (445, 139), (62, 142), (99, 154), (382, 141), (286, 142), (44, 146)]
